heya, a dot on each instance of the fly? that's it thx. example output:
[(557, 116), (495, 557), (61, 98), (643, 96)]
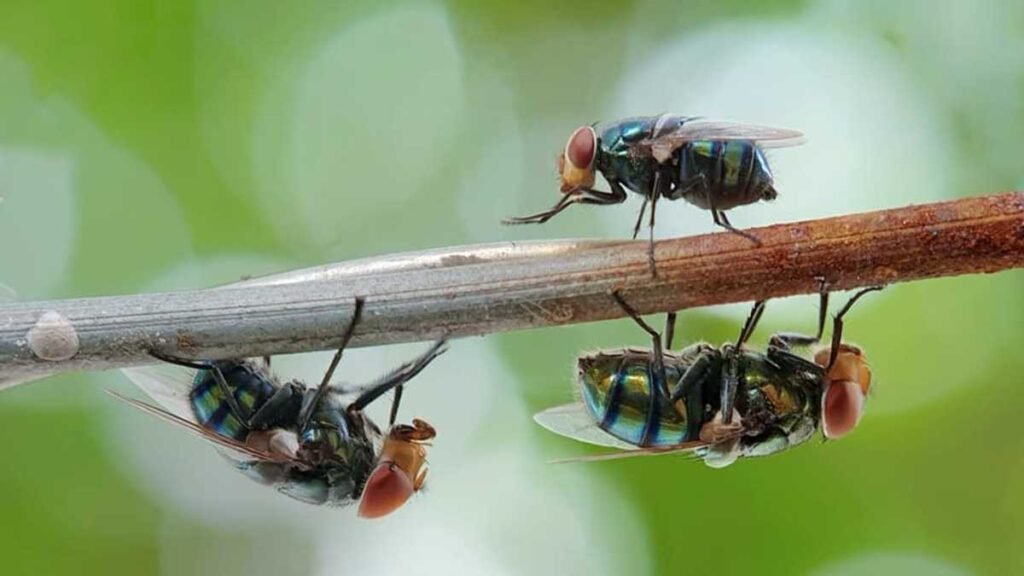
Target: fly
[(304, 441), (722, 403), (716, 166)]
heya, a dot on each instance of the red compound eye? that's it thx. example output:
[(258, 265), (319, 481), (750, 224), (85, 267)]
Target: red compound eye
[(841, 408), (581, 147), (386, 490)]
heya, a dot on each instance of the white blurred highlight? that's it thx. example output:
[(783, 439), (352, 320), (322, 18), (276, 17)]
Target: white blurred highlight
[(37, 225), (369, 120), (491, 189), (56, 167)]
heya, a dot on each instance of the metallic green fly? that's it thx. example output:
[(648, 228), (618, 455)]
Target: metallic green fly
[(304, 441), (710, 164), (721, 403)]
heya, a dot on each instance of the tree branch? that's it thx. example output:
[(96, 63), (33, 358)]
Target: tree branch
[(509, 286)]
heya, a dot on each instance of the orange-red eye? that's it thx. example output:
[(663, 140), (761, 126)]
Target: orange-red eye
[(581, 147), (386, 490), (841, 408)]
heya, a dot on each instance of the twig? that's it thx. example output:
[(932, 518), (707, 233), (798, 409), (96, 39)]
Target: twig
[(494, 288)]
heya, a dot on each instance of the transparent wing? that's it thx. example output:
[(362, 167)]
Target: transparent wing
[(231, 448), (168, 385), (634, 452), (663, 145), (573, 421), (719, 130)]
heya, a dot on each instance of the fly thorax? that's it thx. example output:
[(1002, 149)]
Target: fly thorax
[(362, 457), (362, 425), (319, 444), (325, 438)]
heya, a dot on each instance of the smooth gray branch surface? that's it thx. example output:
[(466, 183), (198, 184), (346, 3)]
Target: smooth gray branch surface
[(508, 286)]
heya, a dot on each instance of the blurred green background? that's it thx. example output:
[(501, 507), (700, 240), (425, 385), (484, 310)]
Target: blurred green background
[(161, 145)]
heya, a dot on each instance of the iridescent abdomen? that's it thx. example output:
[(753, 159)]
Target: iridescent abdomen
[(726, 173), (251, 389), (616, 389)]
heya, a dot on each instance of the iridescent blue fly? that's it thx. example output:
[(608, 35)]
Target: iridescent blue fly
[(714, 165), (302, 440), (722, 403)]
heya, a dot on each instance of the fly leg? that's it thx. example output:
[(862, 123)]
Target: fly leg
[(690, 390), (310, 403), (655, 336), (541, 217), (586, 196), (730, 364), (616, 196), (656, 192), (599, 198), (409, 371), (788, 340), (659, 381), (280, 410), (694, 185), (218, 377), (640, 218), (750, 324), (730, 384), (723, 221), (718, 215), (670, 329), (780, 344), (699, 184), (396, 378), (272, 413), (837, 325)]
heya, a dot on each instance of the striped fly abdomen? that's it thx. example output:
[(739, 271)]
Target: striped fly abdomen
[(723, 174), (616, 388), (250, 388)]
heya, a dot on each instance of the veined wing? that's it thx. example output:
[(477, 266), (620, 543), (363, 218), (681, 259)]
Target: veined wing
[(664, 145), (231, 448), (634, 452), (168, 385), (573, 421)]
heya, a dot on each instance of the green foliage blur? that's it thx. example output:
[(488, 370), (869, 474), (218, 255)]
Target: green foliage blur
[(138, 138)]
